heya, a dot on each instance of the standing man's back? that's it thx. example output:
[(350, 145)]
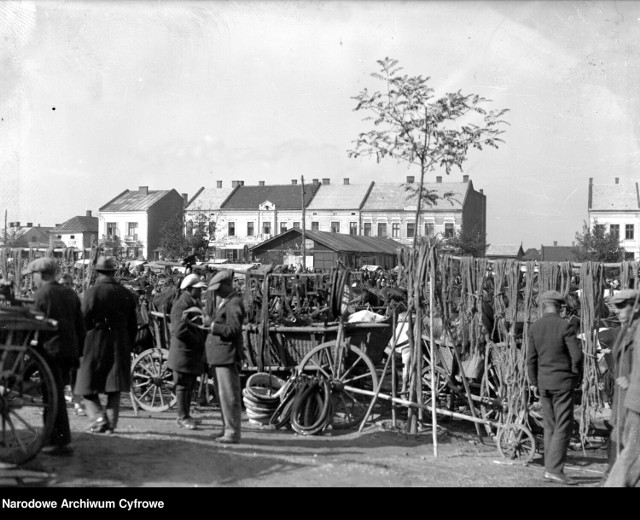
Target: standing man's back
[(554, 365)]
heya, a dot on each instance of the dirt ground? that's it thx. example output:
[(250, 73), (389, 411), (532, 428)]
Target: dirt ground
[(149, 450)]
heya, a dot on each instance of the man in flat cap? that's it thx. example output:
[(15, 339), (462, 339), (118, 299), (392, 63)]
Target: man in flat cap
[(224, 348), (62, 347), (554, 365), (109, 310), (625, 409)]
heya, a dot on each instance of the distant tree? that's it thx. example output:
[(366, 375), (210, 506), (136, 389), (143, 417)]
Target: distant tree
[(412, 126), (13, 237), (596, 245), (112, 245), (465, 243), (173, 241)]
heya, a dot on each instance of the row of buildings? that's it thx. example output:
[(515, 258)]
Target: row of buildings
[(242, 221)]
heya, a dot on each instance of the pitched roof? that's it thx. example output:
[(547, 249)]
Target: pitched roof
[(506, 250), (614, 197), (209, 199), (283, 196), (339, 196), (134, 200), (394, 196), (341, 242), (557, 254), (79, 224)]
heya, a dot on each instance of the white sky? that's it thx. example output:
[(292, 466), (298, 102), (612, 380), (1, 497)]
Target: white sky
[(178, 94)]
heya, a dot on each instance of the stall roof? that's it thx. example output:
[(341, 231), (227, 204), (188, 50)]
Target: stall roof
[(342, 242)]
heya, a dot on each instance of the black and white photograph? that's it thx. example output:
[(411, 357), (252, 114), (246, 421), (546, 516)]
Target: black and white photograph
[(318, 244)]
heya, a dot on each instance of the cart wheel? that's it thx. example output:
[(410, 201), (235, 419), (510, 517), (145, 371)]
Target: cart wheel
[(353, 380), (28, 405), (492, 410), (152, 385), (516, 442), (444, 393)]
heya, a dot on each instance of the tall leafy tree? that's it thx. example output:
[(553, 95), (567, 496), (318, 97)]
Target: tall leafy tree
[(596, 245), (465, 243), (413, 125)]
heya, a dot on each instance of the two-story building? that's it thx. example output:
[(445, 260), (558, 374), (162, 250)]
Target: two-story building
[(133, 220), (389, 210), (616, 206)]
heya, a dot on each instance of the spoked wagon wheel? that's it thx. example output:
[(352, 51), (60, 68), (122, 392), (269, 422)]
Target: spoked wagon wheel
[(516, 442), (28, 403), (152, 385), (352, 376)]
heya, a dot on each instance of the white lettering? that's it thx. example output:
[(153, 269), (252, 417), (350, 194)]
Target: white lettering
[(140, 504), (29, 504)]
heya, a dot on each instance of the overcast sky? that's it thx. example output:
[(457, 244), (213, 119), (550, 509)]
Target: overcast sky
[(99, 97)]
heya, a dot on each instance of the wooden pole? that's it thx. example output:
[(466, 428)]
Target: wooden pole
[(434, 386), (304, 237)]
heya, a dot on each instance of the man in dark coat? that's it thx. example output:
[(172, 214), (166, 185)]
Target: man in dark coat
[(186, 348), (224, 348), (109, 311), (61, 347), (626, 469), (554, 364)]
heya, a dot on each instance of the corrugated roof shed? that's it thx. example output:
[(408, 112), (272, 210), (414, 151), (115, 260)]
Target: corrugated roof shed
[(209, 199), (79, 224), (394, 196), (623, 196), (284, 196), (342, 242), (134, 200), (339, 196)]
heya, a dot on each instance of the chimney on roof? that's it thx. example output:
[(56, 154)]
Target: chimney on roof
[(410, 179), (590, 180), (29, 224), (316, 182), (260, 183), (294, 181), (617, 180), (439, 178), (465, 178), (555, 243), (481, 190), (218, 184), (234, 184), (144, 190), (88, 213), (326, 181), (185, 197), (346, 180)]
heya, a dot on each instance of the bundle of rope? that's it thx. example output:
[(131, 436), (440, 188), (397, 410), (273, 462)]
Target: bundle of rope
[(261, 397), (305, 405)]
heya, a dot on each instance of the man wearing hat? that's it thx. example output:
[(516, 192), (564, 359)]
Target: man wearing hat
[(61, 347), (625, 409), (224, 349), (554, 365), (109, 311), (186, 348)]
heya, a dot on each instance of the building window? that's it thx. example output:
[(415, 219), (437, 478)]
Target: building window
[(212, 229), (335, 227), (353, 228), (59, 236), (112, 229), (249, 229), (411, 229), (266, 228), (315, 226), (428, 229), (72, 237), (448, 229), (132, 229), (296, 225), (614, 230), (283, 227), (628, 232), (367, 229), (395, 230), (232, 229), (382, 230), (629, 256)]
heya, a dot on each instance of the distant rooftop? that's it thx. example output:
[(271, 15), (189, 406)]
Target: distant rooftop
[(139, 200), (616, 196)]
